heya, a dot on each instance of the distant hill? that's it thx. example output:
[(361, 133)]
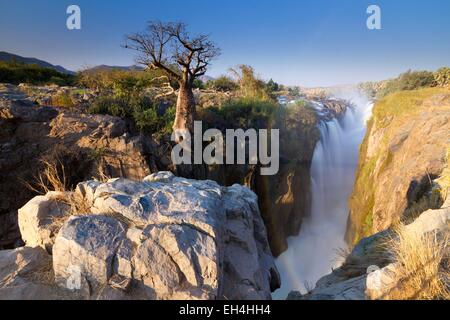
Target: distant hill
[(6, 56), (124, 68)]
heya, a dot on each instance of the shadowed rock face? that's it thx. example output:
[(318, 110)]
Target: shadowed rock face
[(161, 238), (285, 198)]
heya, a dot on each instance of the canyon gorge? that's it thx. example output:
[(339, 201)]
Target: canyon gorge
[(350, 168)]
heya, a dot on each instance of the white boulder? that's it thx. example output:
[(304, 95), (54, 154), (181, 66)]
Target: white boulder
[(166, 238), (38, 220)]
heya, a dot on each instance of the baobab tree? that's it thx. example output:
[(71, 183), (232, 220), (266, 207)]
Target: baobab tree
[(169, 47)]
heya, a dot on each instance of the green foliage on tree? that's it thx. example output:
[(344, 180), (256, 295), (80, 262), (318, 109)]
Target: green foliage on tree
[(272, 86), (294, 91), (198, 84), (250, 86)]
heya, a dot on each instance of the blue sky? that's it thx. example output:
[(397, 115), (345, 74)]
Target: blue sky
[(311, 43)]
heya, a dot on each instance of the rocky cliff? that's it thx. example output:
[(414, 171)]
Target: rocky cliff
[(160, 238), (400, 206), (83, 145), (403, 152)]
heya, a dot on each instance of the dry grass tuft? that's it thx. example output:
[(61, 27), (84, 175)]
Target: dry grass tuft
[(424, 265), (102, 176), (51, 178), (78, 205)]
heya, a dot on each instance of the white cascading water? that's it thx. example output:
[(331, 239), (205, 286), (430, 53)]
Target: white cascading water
[(314, 253)]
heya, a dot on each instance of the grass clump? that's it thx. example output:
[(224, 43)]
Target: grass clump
[(52, 178), (423, 265), (63, 100), (401, 103)]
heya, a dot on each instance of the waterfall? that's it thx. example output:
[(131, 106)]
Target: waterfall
[(314, 252)]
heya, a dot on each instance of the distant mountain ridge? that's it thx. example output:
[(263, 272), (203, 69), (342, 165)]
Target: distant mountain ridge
[(6, 56), (123, 68)]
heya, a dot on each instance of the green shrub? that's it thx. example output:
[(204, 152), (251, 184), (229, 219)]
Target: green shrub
[(272, 86), (410, 80), (298, 113), (242, 113), (63, 100), (15, 73), (223, 84), (148, 120), (250, 86), (112, 106), (294, 91), (141, 110), (198, 84), (119, 82)]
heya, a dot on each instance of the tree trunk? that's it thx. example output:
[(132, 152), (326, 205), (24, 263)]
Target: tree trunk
[(185, 112)]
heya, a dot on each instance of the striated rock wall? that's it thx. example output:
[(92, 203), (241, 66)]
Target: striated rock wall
[(160, 238), (403, 152)]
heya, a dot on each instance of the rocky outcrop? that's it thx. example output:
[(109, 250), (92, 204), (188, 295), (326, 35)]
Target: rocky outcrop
[(403, 152), (164, 237), (85, 145), (56, 96), (370, 272)]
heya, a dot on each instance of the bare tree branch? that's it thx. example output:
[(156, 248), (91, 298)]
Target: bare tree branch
[(165, 45)]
